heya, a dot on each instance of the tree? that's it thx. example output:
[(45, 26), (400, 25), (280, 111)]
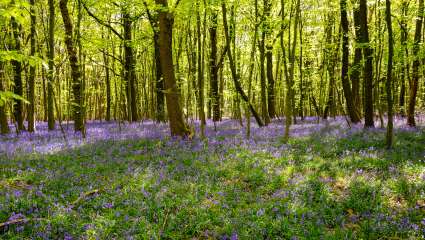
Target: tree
[(31, 79), (368, 68), (4, 125), (50, 73), (215, 66), (415, 67), (159, 81), (77, 103), (356, 68), (17, 76), (262, 48), (235, 76), (388, 85), (289, 109), (129, 66), (349, 101), (269, 59), (172, 94), (404, 53), (200, 74)]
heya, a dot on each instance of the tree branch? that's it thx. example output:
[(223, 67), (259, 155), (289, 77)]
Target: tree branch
[(100, 21)]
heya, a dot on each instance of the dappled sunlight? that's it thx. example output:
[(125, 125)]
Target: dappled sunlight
[(325, 182)]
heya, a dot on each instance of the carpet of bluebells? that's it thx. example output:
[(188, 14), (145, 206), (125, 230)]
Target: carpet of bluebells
[(132, 181)]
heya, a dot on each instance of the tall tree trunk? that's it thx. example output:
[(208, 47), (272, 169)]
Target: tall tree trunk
[(50, 72), (368, 68), (77, 107), (4, 125), (251, 70), (175, 115), (301, 71), (159, 83), (388, 86), (17, 76), (31, 79), (129, 67), (349, 101), (215, 98), (269, 60), (415, 67), (357, 64), (290, 75), (330, 66), (404, 51), (108, 83), (200, 72), (263, 80), (235, 76)]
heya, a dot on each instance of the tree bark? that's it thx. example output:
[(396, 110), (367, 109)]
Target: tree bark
[(200, 73), (215, 98), (415, 67), (263, 80), (388, 85), (77, 107), (17, 77), (31, 79), (357, 65), (108, 83), (159, 81), (50, 71), (129, 68), (175, 115), (4, 125), (349, 101), (404, 54), (368, 68)]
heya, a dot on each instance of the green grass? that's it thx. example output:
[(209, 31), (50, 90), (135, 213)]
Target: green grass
[(321, 188)]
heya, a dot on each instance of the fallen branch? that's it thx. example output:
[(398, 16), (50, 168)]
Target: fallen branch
[(19, 221), (83, 197)]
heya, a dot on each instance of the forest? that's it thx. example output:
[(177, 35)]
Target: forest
[(212, 119)]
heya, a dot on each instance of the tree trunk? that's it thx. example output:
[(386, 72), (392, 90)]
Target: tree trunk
[(263, 80), (368, 68), (357, 64), (175, 115), (215, 98), (200, 73), (269, 60), (159, 83), (235, 76), (330, 66), (388, 86), (301, 71), (17, 77), (404, 51), (349, 101), (290, 75), (77, 107), (4, 125), (415, 67), (31, 79), (129, 68), (108, 84), (251, 70), (50, 72)]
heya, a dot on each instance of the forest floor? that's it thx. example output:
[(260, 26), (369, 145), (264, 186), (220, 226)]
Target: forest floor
[(133, 182)]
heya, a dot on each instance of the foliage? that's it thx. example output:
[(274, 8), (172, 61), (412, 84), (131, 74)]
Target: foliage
[(327, 183)]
